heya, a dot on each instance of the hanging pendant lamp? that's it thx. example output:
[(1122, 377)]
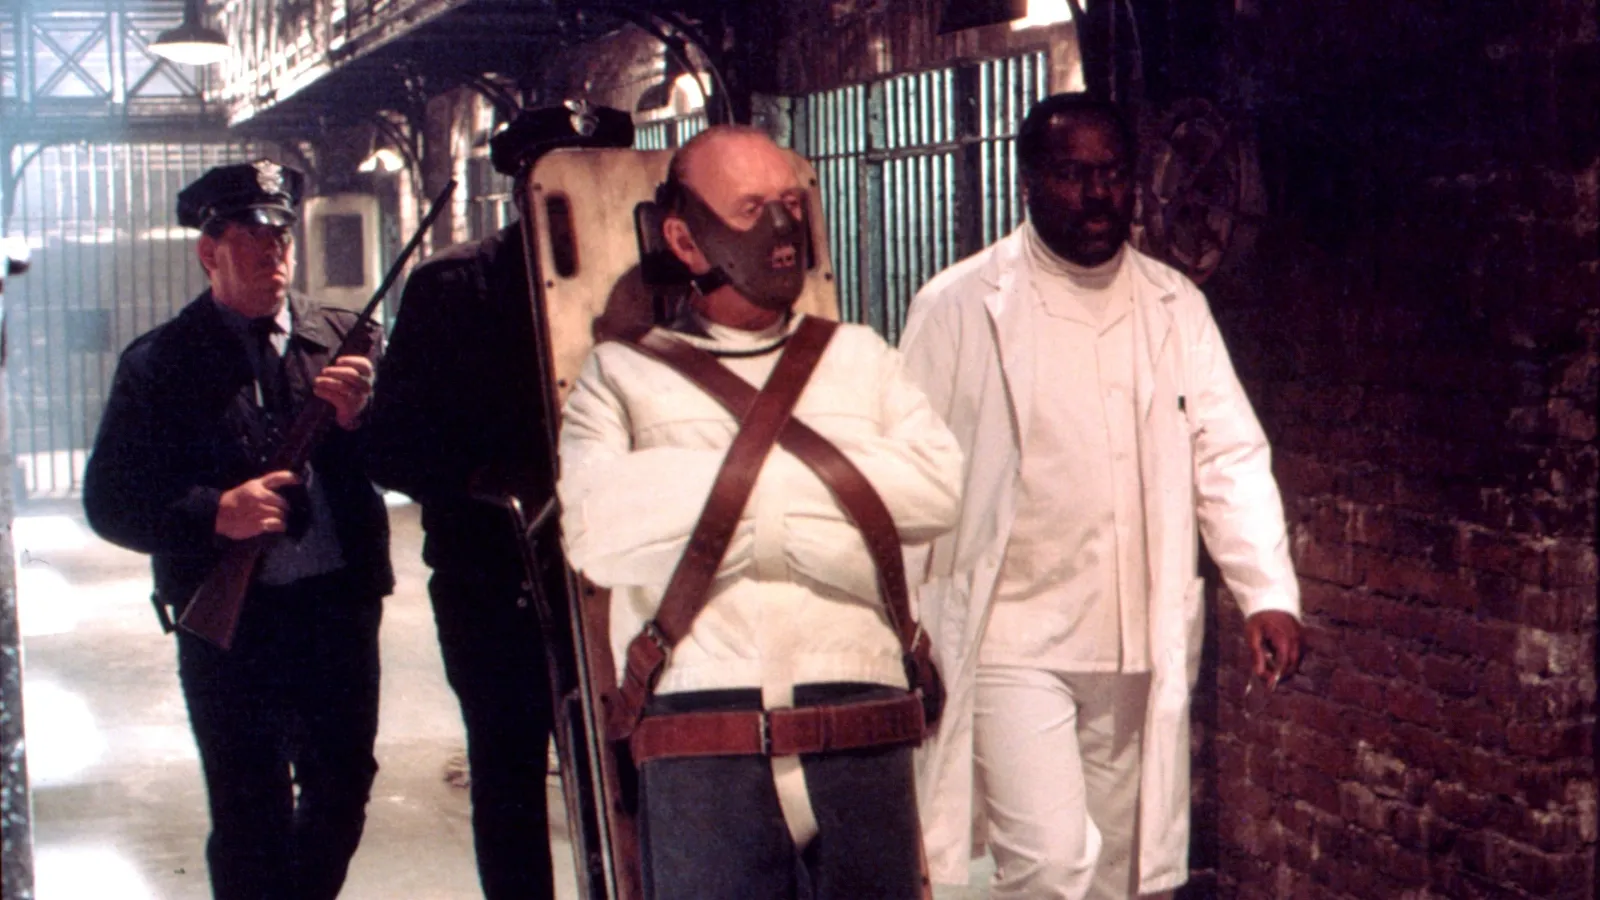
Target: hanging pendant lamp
[(192, 43)]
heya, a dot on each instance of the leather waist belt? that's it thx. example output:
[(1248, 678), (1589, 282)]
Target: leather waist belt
[(780, 732)]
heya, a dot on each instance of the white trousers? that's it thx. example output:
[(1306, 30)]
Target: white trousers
[(1057, 757)]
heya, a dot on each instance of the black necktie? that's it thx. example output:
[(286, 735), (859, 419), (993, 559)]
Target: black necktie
[(269, 365)]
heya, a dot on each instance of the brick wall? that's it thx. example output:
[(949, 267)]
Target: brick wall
[(1419, 325)]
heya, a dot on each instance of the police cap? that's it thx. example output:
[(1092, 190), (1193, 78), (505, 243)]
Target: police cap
[(536, 132), (254, 193)]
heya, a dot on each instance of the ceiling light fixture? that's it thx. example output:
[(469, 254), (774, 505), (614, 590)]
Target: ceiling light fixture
[(191, 43)]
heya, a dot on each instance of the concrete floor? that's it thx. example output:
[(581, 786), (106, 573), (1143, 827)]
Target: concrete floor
[(119, 806)]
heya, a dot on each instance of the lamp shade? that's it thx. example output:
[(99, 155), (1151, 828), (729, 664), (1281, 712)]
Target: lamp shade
[(191, 43)]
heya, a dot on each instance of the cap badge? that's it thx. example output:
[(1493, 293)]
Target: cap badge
[(269, 176), (584, 119)]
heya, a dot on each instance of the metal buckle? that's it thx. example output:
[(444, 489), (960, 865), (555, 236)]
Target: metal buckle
[(653, 632), (766, 733)]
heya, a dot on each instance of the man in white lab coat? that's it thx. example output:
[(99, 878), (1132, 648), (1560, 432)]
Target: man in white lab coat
[(1104, 427)]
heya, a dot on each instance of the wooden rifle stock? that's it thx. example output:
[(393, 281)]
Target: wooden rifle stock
[(213, 612)]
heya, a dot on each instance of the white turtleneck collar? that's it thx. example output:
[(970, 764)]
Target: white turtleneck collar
[(1094, 278), (727, 340), (1094, 288)]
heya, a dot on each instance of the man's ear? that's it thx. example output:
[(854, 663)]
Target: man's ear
[(206, 249), (676, 232)]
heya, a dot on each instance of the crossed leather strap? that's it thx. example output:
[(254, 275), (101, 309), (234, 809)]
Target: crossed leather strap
[(765, 419)]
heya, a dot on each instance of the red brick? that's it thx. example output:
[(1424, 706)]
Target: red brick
[(1544, 653), (1327, 562), (1419, 538), (1501, 686), (1476, 727), (1381, 772), (1554, 831), (1406, 867), (1408, 662), (1325, 754), (1544, 874), (1547, 785), (1489, 772), (1406, 578), (1556, 698), (1506, 555), (1300, 818), (1230, 758), (1411, 703), (1304, 475), (1309, 710), (1371, 727), (1472, 638), (1242, 798), (1364, 808), (1400, 620), (1356, 689), (1460, 804), (1314, 788), (1371, 655), (1328, 523), (1543, 740), (1371, 526), (1420, 747), (1333, 602), (1572, 420), (1450, 676), (1419, 829), (1555, 609)]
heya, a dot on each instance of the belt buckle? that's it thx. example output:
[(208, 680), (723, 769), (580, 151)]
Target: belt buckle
[(765, 732)]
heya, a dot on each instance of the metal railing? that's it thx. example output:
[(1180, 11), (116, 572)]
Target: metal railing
[(74, 69)]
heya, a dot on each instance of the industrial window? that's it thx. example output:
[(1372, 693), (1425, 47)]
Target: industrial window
[(109, 262), (489, 203), (668, 134), (916, 171)]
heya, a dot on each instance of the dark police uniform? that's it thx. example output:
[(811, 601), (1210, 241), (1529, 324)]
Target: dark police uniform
[(457, 403), (285, 721)]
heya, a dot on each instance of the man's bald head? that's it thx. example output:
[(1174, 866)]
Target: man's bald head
[(736, 212), (700, 159)]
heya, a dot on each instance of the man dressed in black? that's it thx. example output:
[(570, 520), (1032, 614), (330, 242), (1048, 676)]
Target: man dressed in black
[(285, 720), (456, 418)]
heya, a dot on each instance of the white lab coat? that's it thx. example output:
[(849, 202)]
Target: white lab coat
[(969, 342)]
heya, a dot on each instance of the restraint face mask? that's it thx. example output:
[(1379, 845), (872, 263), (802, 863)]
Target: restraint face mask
[(767, 263)]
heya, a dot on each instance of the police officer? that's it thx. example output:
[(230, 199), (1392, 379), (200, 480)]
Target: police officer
[(285, 720), (456, 420)]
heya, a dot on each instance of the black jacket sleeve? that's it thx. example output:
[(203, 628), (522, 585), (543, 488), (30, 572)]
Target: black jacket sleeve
[(457, 392), (141, 489), (421, 416)]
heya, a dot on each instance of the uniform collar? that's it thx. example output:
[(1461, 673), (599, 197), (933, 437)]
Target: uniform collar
[(239, 324)]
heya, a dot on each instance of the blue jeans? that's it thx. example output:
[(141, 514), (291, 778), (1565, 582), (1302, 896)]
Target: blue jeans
[(711, 828)]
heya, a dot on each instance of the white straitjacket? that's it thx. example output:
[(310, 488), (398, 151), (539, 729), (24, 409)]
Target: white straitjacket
[(970, 343)]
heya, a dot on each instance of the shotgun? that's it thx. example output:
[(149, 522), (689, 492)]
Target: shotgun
[(213, 611)]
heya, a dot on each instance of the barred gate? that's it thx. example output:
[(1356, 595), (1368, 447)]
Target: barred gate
[(109, 262), (916, 172), (668, 134)]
